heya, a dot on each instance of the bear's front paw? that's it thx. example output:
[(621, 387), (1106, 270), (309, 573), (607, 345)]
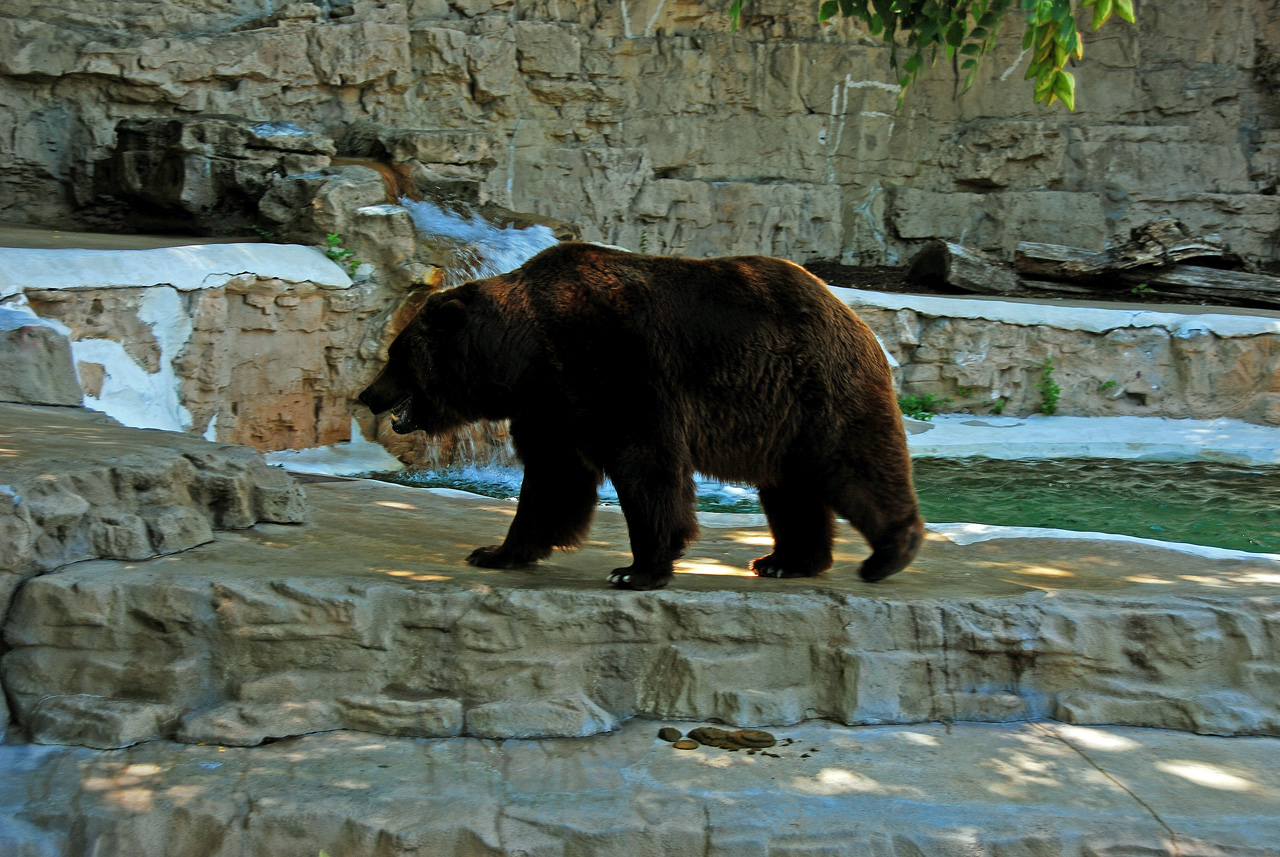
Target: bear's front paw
[(629, 578), (772, 566), (494, 556)]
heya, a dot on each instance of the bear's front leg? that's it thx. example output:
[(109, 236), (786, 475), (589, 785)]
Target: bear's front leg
[(557, 500), (658, 503)]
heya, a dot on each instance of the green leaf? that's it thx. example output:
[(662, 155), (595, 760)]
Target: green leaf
[(735, 15), (1124, 8), (828, 10), (955, 34), (978, 34), (1064, 86), (971, 50), (876, 24), (1101, 13)]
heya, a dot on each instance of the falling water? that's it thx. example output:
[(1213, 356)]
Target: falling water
[(470, 247)]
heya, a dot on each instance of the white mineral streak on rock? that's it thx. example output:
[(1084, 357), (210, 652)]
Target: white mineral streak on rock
[(129, 392), (203, 266)]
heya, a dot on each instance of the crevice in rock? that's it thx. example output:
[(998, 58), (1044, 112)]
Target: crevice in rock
[(1173, 835)]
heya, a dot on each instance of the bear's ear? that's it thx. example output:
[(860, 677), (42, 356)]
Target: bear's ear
[(449, 316)]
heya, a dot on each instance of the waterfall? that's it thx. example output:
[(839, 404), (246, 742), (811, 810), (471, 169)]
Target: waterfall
[(470, 247)]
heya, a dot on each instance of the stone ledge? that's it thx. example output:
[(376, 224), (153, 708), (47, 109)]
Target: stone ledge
[(77, 485), (369, 619), (198, 266), (1025, 789)]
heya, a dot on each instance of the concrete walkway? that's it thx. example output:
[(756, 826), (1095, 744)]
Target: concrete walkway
[(1030, 790)]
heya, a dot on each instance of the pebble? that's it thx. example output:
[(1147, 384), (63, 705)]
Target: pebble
[(686, 744), (757, 738), (669, 733)]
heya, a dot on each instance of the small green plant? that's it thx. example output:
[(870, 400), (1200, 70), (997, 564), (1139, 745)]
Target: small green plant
[(964, 392), (1141, 288), (264, 234), (644, 240), (1050, 392), (921, 407), (1106, 385), (335, 251), (997, 407)]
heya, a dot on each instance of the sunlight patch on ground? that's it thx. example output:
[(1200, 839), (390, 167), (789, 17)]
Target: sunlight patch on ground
[(397, 572), (830, 782), (1096, 739), (1148, 578), (1045, 571), (765, 541), (706, 565), (1207, 775), (393, 505)]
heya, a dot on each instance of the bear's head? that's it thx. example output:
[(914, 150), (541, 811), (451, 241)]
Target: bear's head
[(424, 383)]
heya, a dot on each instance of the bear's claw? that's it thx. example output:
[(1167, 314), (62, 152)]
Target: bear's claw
[(625, 578), (770, 566)]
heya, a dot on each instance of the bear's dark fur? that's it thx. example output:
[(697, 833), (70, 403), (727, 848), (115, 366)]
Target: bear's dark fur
[(647, 369)]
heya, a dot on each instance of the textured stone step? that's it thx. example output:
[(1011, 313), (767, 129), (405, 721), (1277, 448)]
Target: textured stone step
[(76, 485), (368, 618), (965, 790)]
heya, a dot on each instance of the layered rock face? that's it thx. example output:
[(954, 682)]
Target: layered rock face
[(648, 124), (377, 625), (998, 357)]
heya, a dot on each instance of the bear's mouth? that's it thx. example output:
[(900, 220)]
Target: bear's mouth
[(402, 416)]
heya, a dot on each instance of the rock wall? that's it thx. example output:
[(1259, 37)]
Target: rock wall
[(648, 124), (992, 356)]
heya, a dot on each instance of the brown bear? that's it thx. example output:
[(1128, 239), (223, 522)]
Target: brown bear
[(648, 369)]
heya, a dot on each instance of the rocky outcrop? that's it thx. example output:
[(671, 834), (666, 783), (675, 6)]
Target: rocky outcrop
[(648, 124), (987, 356), (265, 345), (35, 362), (78, 486), (378, 625), (203, 175)]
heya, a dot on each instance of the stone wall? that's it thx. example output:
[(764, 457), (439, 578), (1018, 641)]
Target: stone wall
[(648, 124), (991, 357)]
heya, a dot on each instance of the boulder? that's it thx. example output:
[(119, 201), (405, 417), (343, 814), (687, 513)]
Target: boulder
[(35, 361)]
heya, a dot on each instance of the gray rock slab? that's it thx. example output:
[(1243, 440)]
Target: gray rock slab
[(35, 362), (77, 485), (368, 618), (891, 791)]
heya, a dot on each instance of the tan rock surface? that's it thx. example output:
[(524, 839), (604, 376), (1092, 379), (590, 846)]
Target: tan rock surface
[(1127, 367), (349, 621), (77, 485), (649, 124), (973, 789)]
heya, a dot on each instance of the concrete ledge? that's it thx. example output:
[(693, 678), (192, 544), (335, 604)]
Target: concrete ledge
[(198, 266), (368, 618), (963, 789)]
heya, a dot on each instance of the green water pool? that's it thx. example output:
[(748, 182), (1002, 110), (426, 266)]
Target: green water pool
[(1221, 505)]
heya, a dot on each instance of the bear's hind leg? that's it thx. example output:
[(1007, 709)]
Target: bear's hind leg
[(803, 527), (884, 510), (657, 500), (557, 500)]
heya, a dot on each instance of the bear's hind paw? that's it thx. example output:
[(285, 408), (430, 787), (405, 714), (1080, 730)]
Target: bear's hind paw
[(628, 578), (494, 556), (771, 566)]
